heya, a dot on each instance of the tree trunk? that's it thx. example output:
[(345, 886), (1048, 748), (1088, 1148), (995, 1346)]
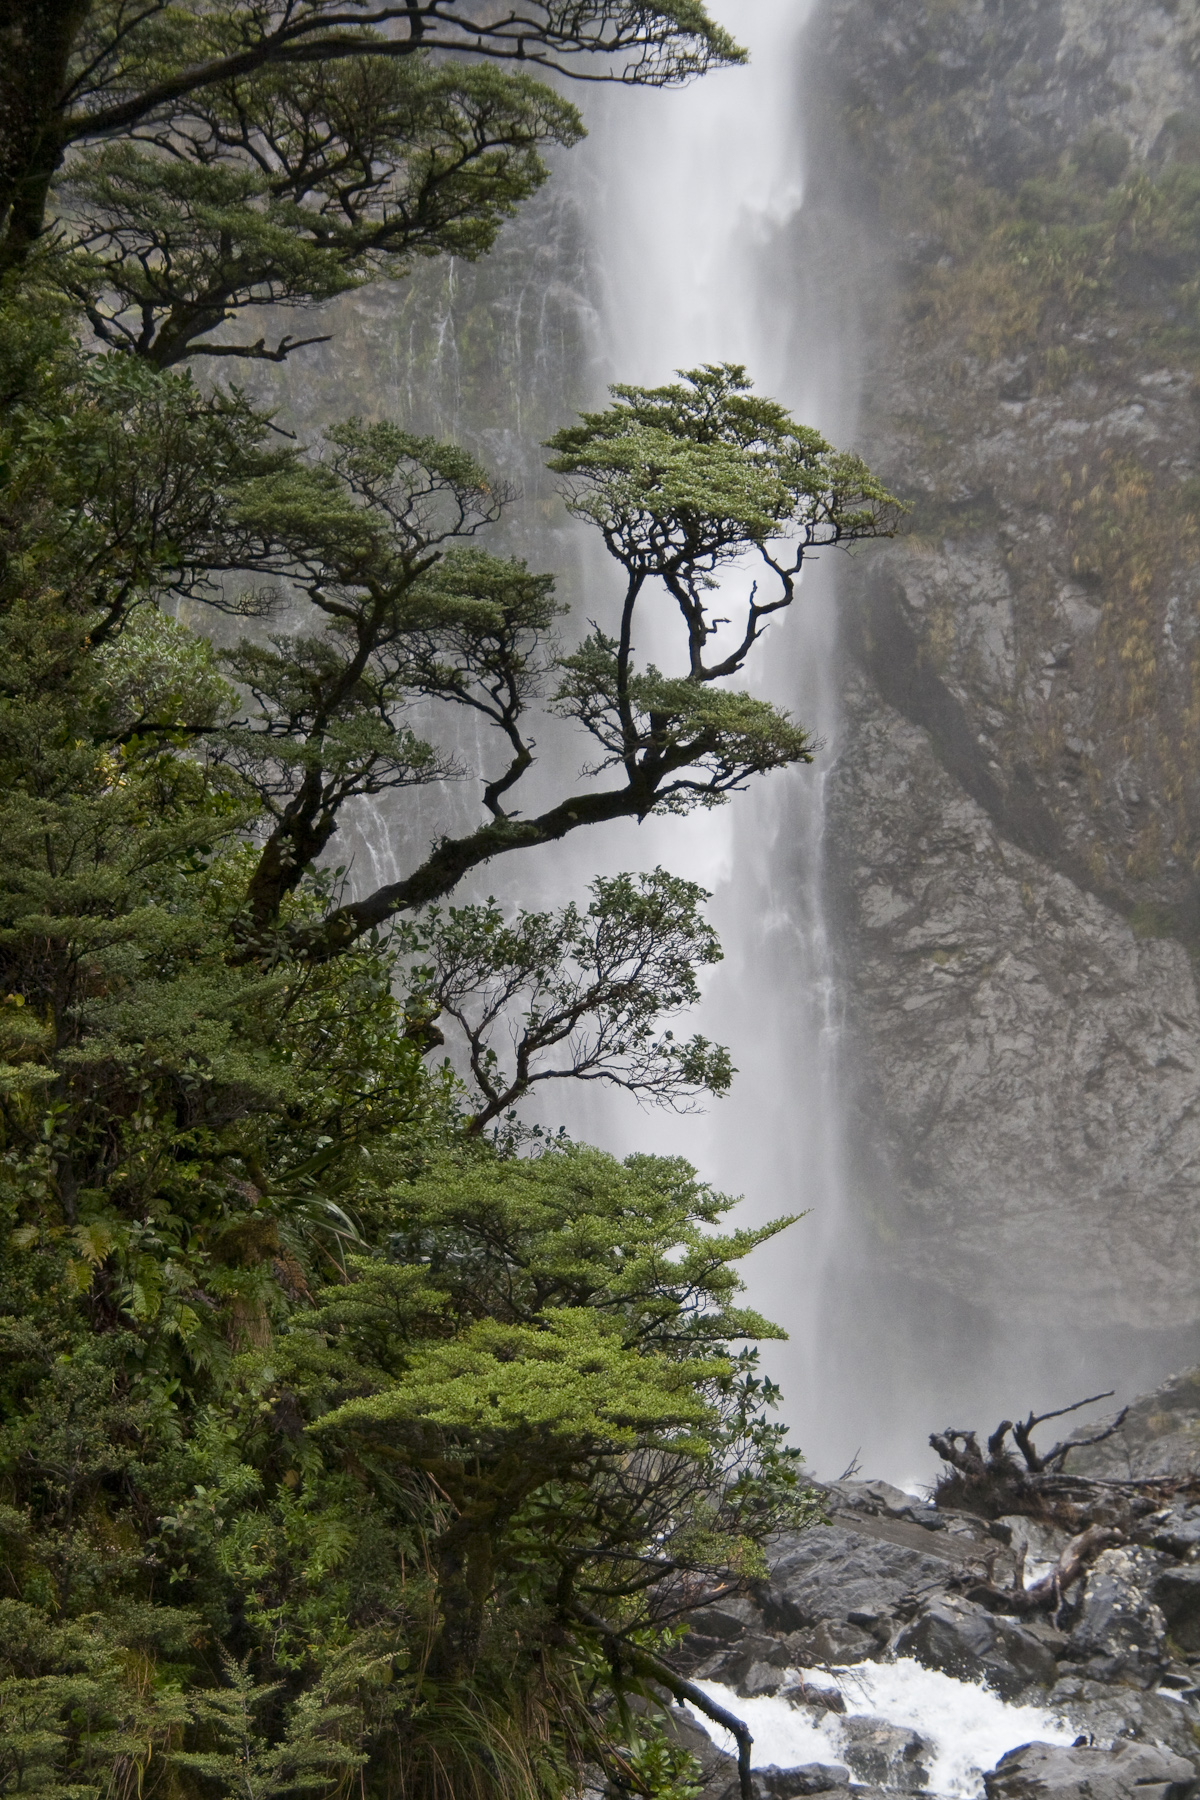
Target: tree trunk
[(36, 39)]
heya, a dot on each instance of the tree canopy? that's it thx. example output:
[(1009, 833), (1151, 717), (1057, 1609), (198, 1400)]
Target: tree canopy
[(306, 100), (352, 1430)]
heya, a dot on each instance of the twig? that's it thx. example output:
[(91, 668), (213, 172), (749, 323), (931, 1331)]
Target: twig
[(1023, 1432), (1061, 1451)]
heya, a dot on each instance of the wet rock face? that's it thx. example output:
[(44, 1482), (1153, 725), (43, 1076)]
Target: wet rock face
[(1160, 1436), (832, 1576), (963, 1640), (1121, 1630), (1112, 1713), (1127, 1772), (785, 1784), (1176, 1593), (887, 1755), (1033, 1061), (1014, 814)]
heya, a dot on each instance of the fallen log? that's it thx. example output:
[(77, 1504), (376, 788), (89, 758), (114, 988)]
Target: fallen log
[(1050, 1590), (997, 1482)]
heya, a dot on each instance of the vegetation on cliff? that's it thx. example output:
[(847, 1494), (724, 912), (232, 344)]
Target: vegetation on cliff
[(1044, 215)]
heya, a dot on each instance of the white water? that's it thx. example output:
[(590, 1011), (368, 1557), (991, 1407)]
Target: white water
[(702, 239), (969, 1726), (698, 243)]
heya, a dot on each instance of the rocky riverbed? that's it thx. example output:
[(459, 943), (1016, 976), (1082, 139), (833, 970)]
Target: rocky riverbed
[(878, 1658)]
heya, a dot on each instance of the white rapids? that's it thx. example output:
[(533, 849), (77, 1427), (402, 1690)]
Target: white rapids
[(969, 1726)]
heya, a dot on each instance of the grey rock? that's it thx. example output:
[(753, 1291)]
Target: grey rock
[(963, 1640), (831, 1643), (725, 1619), (1160, 1436), (732, 1660), (759, 1679), (833, 1575), (1126, 1772), (1120, 1630), (888, 1755), (1040, 1543), (1022, 1017), (1176, 1592), (873, 1498), (809, 1778), (994, 1008), (817, 1700), (720, 1636), (1177, 1530), (1105, 1712)]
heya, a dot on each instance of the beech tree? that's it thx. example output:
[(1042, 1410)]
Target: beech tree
[(346, 1433), (254, 89), (681, 480)]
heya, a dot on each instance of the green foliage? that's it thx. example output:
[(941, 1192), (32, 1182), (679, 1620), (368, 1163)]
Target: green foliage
[(342, 1446), (353, 142), (290, 185), (593, 988), (685, 478), (296, 1563), (324, 1428)]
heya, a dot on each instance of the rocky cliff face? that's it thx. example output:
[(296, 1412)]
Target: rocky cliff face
[(1014, 818)]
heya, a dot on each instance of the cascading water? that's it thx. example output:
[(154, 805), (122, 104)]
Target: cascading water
[(708, 252), (678, 233)]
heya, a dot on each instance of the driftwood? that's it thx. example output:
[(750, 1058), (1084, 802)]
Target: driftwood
[(1048, 1594), (997, 1482)]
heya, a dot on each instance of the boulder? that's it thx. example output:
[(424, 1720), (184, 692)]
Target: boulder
[(1126, 1772), (715, 1632), (888, 1755), (1160, 1436), (880, 1500), (811, 1778), (1107, 1712), (1176, 1593), (964, 1640), (731, 1661), (725, 1619), (1119, 1632), (1176, 1530), (1041, 1543), (831, 1643), (831, 1574), (875, 1498), (817, 1699), (761, 1678)]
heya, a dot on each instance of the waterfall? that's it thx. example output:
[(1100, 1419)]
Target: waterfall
[(678, 233), (707, 250)]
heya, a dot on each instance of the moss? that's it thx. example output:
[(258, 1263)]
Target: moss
[(1023, 271), (1079, 271), (1148, 919), (932, 519)]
